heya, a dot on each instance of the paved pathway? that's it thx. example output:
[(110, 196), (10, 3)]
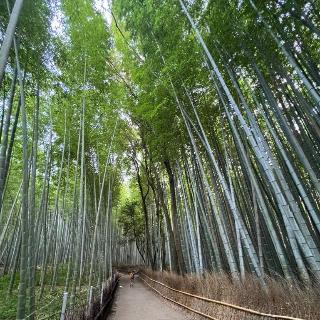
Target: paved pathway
[(140, 303)]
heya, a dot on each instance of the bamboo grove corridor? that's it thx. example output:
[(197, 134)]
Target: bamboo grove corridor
[(176, 139)]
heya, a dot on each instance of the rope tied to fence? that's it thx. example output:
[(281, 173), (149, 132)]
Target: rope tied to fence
[(236, 307), (178, 303)]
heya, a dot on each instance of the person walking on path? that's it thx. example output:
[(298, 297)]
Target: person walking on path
[(131, 277)]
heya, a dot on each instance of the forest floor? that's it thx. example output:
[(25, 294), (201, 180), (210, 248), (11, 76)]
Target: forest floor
[(140, 303)]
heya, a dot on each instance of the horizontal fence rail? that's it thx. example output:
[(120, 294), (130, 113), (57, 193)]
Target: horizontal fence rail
[(178, 303), (225, 304)]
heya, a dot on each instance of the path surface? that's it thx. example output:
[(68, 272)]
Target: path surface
[(139, 303)]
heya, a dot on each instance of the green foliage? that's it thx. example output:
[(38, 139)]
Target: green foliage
[(33, 34), (51, 300), (131, 221), (8, 307)]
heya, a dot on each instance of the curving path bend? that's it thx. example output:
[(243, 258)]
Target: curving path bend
[(140, 303)]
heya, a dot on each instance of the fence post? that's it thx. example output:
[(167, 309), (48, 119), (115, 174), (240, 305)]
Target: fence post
[(90, 298), (64, 305), (101, 297)]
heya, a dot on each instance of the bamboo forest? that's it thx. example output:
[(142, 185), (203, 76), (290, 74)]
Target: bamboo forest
[(164, 155)]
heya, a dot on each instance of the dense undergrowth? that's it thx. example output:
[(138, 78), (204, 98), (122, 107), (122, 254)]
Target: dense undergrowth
[(101, 303), (282, 297), (49, 305)]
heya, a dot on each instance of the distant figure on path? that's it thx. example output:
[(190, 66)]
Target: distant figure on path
[(131, 277)]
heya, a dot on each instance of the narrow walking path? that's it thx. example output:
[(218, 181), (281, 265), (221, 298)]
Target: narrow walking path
[(139, 303)]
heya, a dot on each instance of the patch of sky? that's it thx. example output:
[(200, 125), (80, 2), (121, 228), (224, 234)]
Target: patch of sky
[(58, 23), (94, 160), (306, 9), (104, 7)]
